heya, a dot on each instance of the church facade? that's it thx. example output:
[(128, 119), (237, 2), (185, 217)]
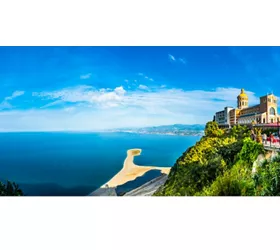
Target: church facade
[(263, 113)]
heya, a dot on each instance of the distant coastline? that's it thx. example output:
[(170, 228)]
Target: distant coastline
[(151, 133), (173, 130)]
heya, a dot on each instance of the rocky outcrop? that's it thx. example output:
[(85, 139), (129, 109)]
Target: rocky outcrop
[(149, 188)]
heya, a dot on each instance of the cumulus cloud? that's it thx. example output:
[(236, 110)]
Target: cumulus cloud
[(144, 87), (120, 90)]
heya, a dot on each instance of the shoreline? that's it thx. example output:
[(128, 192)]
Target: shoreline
[(143, 133), (131, 171)]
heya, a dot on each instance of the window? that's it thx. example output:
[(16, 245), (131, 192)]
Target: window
[(272, 111), (263, 120), (272, 120), (269, 100)]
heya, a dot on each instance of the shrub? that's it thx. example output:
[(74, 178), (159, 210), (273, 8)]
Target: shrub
[(267, 179), (212, 130), (10, 189)]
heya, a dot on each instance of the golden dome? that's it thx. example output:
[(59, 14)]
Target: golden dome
[(242, 94)]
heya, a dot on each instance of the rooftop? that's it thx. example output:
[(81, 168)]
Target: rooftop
[(267, 95), (252, 107)]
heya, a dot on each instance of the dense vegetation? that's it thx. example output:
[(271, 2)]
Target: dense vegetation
[(221, 164), (10, 189)]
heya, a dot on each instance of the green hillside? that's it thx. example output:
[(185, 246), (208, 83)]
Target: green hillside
[(221, 164)]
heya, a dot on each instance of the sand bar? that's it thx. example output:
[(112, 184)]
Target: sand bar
[(130, 171)]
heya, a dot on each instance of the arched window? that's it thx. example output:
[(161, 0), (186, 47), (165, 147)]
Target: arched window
[(272, 111)]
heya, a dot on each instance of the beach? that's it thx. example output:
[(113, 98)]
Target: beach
[(131, 171)]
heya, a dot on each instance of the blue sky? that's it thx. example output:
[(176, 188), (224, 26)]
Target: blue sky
[(93, 88)]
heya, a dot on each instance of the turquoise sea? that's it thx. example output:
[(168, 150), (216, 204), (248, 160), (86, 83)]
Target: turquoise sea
[(54, 163)]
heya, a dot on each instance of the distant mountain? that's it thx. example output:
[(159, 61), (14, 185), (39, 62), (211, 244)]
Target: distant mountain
[(175, 129)]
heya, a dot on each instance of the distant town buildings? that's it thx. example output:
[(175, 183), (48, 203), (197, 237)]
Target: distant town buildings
[(263, 113)]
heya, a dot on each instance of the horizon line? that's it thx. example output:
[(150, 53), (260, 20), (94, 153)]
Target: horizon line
[(94, 130)]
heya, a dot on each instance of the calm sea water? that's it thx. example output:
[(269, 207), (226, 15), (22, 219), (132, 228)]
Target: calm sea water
[(78, 163)]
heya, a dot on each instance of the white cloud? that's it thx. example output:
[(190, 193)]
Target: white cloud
[(120, 90), (52, 104), (126, 80), (14, 95), (144, 87), (83, 93), (172, 58), (90, 109), (146, 77), (5, 104), (86, 76), (163, 86)]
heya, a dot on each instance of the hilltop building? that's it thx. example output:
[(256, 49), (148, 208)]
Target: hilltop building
[(263, 113)]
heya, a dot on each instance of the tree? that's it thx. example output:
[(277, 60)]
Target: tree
[(212, 130), (10, 189)]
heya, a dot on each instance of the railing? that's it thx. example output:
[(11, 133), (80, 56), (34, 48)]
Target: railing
[(275, 145)]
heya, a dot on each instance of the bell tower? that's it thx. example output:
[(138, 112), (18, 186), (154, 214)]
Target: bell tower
[(242, 100)]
